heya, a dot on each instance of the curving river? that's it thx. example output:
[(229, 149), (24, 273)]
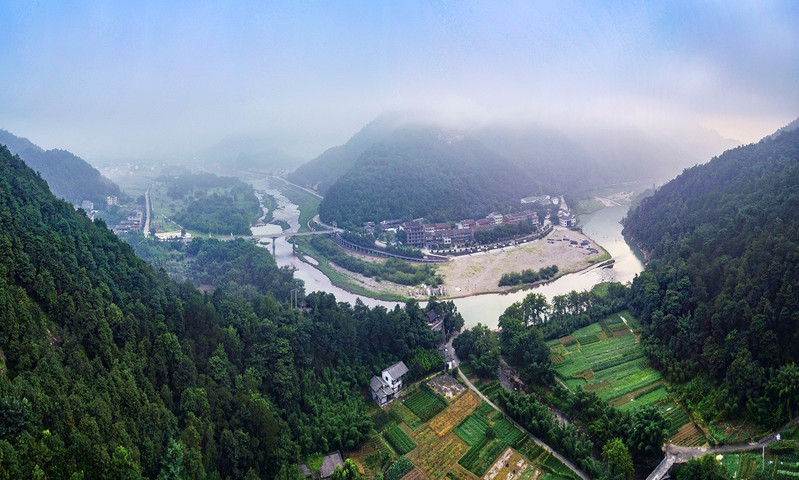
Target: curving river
[(602, 226)]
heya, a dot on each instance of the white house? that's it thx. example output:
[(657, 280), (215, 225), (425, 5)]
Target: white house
[(388, 384)]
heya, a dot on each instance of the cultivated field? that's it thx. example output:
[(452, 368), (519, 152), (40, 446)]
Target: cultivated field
[(463, 439), (606, 358)]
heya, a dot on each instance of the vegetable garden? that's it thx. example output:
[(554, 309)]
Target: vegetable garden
[(606, 358)]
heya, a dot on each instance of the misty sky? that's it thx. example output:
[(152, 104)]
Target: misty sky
[(158, 79)]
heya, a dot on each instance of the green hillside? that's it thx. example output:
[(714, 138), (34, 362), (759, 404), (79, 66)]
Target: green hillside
[(111, 370), (718, 300), (68, 176), (423, 172)]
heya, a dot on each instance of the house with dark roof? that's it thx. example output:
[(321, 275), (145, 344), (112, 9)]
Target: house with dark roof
[(385, 387), (329, 464)]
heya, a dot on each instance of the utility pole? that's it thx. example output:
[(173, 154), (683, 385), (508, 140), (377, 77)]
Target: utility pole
[(294, 300)]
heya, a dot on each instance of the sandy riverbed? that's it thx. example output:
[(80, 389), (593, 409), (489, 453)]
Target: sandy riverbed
[(480, 273)]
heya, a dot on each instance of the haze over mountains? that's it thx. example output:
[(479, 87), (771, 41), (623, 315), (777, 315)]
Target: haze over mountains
[(69, 176), (577, 157)]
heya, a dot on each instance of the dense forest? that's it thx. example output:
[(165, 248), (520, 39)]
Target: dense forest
[(68, 176), (109, 369), (421, 172), (718, 299), (221, 205)]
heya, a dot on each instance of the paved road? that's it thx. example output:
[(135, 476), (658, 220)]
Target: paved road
[(677, 454), (543, 445), (147, 211)]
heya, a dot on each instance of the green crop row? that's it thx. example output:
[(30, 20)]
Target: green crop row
[(472, 429), (399, 440), (425, 404), (479, 457)]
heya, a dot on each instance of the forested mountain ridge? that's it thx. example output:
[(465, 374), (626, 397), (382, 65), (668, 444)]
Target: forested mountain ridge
[(425, 172), (323, 171), (718, 299), (111, 370), (69, 176)]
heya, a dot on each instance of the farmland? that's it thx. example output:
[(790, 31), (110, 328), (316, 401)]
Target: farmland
[(606, 358), (399, 440), (459, 440)]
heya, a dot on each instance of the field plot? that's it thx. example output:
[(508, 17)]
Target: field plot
[(472, 429), (443, 423), (481, 456), (465, 439), (435, 455), (373, 456), (403, 414), (606, 358), (399, 440), (425, 404)]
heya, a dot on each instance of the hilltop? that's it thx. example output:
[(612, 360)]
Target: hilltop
[(425, 172), (69, 176)]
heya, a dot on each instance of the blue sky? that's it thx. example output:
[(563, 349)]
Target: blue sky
[(159, 79)]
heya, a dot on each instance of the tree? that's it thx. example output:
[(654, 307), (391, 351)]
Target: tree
[(785, 384), (172, 465), (618, 457), (648, 430), (702, 468), (534, 309), (350, 471)]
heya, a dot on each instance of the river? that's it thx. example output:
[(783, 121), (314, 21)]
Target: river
[(602, 226)]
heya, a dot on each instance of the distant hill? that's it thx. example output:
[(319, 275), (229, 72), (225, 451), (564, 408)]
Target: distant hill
[(570, 159), (68, 176), (718, 300), (323, 171), (583, 158), (425, 172)]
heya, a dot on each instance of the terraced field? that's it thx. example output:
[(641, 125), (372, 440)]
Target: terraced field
[(606, 358)]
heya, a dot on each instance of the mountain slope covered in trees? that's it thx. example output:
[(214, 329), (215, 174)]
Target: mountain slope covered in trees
[(111, 370), (68, 176), (719, 298), (423, 172), (323, 171)]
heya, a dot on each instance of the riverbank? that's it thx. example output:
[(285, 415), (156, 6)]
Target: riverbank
[(476, 274), (479, 273)]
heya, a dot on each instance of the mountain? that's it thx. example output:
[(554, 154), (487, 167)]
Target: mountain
[(323, 171), (787, 128), (109, 369), (425, 172), (245, 153), (718, 299), (585, 157), (69, 176)]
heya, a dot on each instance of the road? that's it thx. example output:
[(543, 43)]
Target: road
[(543, 445), (147, 211), (676, 454)]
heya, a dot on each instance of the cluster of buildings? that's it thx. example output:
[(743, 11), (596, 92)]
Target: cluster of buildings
[(444, 235), (133, 223)]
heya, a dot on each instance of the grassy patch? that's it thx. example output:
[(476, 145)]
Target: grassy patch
[(481, 456), (307, 203), (339, 279)]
